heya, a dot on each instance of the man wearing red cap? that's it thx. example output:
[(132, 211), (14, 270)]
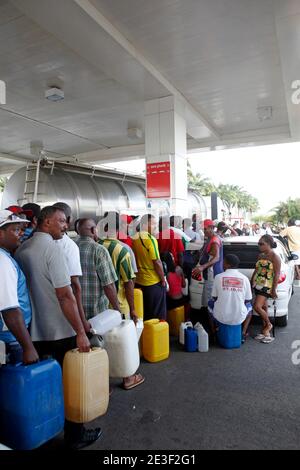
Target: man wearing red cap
[(211, 262)]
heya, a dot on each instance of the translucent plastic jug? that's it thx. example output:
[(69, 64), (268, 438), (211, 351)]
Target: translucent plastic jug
[(182, 328), (175, 318), (86, 384), (121, 345), (105, 321), (156, 340), (31, 404), (139, 303), (203, 343)]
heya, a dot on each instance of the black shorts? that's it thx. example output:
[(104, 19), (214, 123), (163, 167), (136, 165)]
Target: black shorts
[(263, 292), (155, 303)]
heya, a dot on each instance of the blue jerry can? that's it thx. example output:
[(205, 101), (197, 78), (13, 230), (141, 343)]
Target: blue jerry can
[(31, 404), (190, 339), (229, 336)]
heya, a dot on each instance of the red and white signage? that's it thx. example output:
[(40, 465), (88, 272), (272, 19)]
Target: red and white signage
[(232, 283), (158, 180)]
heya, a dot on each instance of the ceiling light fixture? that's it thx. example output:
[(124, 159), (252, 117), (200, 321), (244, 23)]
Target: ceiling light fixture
[(264, 113), (54, 94), (134, 133)]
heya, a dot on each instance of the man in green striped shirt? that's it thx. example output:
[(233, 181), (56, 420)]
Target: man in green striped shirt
[(125, 285), (120, 257)]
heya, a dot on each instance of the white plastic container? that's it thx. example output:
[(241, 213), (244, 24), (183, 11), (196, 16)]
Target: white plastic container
[(139, 328), (202, 338), (196, 289), (182, 327), (121, 345), (185, 290), (105, 321)]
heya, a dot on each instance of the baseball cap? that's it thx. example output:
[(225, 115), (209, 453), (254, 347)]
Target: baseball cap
[(208, 223), (8, 217), (15, 209)]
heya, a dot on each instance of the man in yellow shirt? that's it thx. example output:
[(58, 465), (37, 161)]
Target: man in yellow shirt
[(292, 233), (150, 277)]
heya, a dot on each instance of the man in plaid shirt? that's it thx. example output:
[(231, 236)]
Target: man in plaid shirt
[(98, 274)]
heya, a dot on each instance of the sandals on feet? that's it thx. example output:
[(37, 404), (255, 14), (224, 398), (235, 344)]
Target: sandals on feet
[(136, 380), (259, 337), (267, 339)]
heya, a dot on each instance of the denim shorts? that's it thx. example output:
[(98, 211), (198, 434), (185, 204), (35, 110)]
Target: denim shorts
[(264, 292)]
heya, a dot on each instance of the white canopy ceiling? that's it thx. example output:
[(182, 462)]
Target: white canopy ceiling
[(223, 58)]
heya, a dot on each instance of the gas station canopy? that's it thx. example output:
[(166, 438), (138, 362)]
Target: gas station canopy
[(79, 72)]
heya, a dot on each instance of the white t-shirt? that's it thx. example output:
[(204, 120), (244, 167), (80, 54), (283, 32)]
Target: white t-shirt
[(72, 255), (8, 284), (231, 288), (181, 233)]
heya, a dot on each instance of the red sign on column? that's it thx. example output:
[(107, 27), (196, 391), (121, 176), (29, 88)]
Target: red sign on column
[(158, 180)]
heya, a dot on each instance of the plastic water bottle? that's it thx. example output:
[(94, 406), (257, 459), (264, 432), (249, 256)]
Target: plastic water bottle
[(202, 338)]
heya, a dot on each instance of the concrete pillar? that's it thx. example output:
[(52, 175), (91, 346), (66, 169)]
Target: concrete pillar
[(166, 160)]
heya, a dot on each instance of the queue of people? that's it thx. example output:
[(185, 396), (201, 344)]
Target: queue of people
[(52, 285)]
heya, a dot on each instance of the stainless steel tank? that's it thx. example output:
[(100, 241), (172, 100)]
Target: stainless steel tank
[(88, 192)]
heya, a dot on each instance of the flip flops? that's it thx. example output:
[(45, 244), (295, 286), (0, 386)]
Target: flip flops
[(267, 339), (264, 338), (259, 337), (137, 380)]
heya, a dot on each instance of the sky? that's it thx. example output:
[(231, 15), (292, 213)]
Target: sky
[(271, 173)]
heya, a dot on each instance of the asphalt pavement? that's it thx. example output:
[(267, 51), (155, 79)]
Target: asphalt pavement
[(247, 398)]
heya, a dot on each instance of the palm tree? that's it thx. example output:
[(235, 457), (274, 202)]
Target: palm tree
[(287, 210), (228, 195), (253, 204), (199, 183), (3, 181), (235, 196)]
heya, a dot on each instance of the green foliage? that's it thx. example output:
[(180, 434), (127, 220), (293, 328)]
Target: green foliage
[(231, 195), (3, 181), (199, 183), (235, 196), (287, 210)]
